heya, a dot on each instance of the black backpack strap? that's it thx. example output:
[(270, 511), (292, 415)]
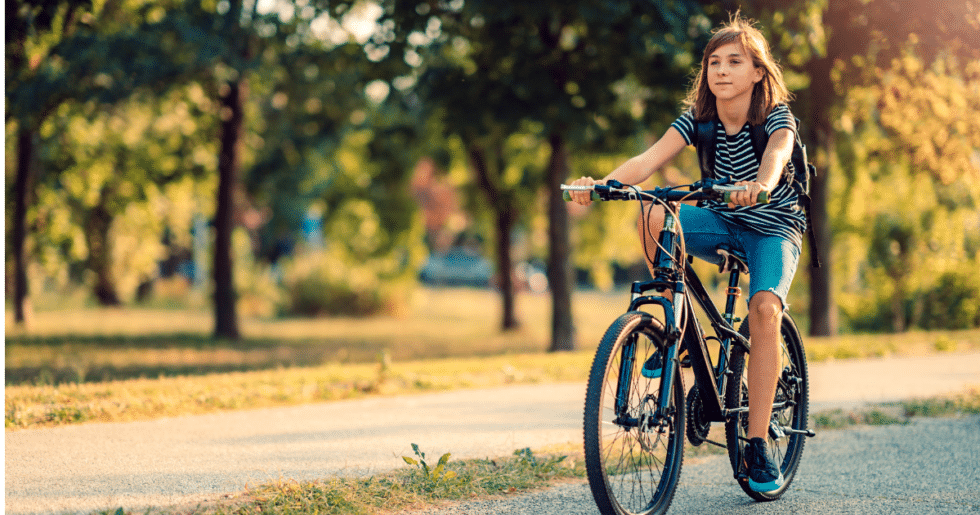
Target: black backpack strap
[(705, 133), (759, 141), (804, 201)]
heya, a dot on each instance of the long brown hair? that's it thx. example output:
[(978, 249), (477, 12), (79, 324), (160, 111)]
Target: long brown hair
[(768, 92)]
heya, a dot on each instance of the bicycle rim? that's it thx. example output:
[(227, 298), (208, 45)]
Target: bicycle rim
[(792, 388), (633, 466)]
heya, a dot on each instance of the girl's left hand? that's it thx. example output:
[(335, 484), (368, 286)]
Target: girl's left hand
[(747, 197)]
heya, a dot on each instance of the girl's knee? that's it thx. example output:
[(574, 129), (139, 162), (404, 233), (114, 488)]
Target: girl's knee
[(651, 222), (766, 305)]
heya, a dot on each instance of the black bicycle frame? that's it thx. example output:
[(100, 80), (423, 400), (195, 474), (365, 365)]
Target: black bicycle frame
[(686, 286)]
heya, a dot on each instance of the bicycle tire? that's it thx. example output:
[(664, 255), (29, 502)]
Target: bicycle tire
[(631, 471), (793, 384)]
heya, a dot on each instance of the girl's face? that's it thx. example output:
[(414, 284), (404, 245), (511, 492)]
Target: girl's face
[(731, 72)]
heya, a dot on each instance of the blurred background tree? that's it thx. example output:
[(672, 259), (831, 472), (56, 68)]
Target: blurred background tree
[(291, 129), (508, 78)]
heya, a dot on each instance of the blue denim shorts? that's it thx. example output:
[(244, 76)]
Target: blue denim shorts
[(772, 260)]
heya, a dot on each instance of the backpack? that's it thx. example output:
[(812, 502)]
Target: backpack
[(799, 177)]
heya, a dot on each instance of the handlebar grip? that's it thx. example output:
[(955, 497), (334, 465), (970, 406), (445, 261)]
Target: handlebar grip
[(567, 195), (763, 197)]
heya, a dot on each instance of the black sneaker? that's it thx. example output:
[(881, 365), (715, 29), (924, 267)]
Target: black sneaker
[(653, 367), (764, 476)]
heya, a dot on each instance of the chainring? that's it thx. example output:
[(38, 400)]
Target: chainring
[(697, 426)]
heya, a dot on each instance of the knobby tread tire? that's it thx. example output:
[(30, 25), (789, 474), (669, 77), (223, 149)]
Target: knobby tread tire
[(735, 395), (603, 486)]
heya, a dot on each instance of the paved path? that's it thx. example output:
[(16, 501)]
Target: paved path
[(898, 469), (154, 463)]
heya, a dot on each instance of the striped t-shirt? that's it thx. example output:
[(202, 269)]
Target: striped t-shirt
[(735, 158)]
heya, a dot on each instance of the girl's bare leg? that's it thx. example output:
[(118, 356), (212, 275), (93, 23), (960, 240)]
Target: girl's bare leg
[(649, 227), (765, 318)]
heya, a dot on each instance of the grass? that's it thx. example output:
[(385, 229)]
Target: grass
[(96, 345), (964, 403), (31, 406), (404, 489), (97, 365)]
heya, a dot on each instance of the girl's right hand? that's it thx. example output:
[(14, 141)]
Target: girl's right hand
[(583, 197)]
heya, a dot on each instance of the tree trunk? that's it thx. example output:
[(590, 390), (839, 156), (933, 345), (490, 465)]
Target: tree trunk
[(232, 117), (559, 271), (505, 215), (99, 242), (22, 192), (505, 265), (823, 308)]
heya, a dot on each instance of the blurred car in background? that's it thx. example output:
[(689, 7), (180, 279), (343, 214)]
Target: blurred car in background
[(464, 267), (457, 267)]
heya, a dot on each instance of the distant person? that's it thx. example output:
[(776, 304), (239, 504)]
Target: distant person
[(739, 85)]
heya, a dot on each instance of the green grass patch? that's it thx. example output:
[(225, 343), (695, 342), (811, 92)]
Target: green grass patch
[(32, 406), (967, 403), (840, 419), (98, 345), (860, 346), (964, 403), (108, 365), (406, 488)]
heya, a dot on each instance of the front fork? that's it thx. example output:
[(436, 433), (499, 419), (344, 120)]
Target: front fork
[(667, 278)]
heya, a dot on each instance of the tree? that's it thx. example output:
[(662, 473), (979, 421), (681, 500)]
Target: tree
[(60, 52), (907, 211), (836, 42), (123, 189), (231, 99), (497, 68), (26, 24)]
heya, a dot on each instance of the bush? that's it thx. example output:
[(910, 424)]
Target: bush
[(953, 302), (323, 283), (947, 301)]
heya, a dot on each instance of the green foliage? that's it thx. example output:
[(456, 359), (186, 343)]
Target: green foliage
[(121, 98), (329, 282), (129, 181), (906, 220), (953, 302), (436, 476)]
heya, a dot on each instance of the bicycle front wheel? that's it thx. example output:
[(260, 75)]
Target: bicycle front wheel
[(633, 454), (789, 415)]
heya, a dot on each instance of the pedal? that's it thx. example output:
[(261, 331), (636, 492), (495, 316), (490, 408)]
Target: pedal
[(805, 432), (776, 431)]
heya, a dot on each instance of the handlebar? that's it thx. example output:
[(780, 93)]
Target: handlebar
[(702, 190)]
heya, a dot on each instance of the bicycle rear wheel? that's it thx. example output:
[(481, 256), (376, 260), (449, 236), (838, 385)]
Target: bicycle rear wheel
[(633, 458), (792, 401)]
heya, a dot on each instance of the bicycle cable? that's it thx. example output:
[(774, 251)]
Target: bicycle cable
[(645, 231)]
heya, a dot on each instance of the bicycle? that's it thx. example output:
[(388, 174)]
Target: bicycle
[(634, 427)]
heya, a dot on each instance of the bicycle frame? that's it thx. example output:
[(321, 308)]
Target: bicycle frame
[(685, 286)]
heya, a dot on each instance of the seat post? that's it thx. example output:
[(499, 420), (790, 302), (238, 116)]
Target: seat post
[(732, 295)]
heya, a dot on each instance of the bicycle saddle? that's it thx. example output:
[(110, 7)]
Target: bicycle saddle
[(731, 259)]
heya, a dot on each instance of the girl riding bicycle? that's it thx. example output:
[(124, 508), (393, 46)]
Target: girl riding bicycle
[(739, 85)]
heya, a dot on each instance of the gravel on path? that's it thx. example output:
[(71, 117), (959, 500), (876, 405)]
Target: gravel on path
[(926, 467)]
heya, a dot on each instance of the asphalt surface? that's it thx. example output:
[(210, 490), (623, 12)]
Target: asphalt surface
[(190, 459), (928, 466)]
